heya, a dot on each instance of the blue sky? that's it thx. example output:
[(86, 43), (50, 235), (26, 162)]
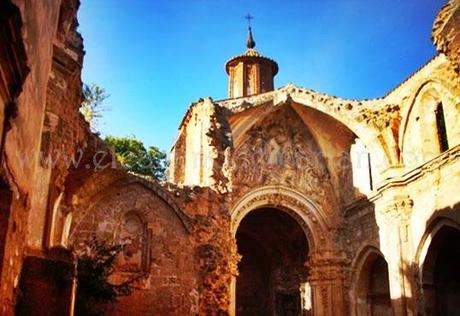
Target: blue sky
[(155, 57)]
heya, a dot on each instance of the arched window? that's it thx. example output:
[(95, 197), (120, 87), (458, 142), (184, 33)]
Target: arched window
[(426, 134), (133, 237), (361, 166), (441, 128)]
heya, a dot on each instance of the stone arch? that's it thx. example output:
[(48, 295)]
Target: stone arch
[(423, 106), (259, 113), (157, 242), (437, 260), (272, 272), (281, 150), (312, 220), (364, 270), (150, 185), (342, 110), (307, 213), (120, 187), (431, 231), (354, 116), (161, 192)]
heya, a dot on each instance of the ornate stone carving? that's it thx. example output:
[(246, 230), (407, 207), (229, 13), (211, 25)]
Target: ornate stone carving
[(281, 151), (235, 258), (399, 209)]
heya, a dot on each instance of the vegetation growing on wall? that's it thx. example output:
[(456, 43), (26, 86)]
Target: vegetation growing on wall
[(95, 289)]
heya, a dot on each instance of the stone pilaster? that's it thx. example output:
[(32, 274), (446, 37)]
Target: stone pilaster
[(397, 248), (326, 277)]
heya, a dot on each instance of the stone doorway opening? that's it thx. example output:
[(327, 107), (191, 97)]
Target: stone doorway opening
[(272, 278), (373, 288), (440, 277)]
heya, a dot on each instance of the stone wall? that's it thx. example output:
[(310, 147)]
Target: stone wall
[(177, 239), (156, 243), (446, 32), (39, 101)]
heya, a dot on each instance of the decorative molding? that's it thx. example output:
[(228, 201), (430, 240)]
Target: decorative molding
[(145, 182), (448, 157), (305, 211), (399, 209)]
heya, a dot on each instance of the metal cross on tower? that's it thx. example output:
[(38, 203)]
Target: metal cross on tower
[(249, 17)]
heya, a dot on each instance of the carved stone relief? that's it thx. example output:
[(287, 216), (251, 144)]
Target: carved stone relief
[(280, 151)]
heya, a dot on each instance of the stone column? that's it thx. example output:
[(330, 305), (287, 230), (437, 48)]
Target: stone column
[(326, 277), (396, 245)]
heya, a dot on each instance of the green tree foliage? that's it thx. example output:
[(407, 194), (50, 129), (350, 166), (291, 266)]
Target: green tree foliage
[(133, 155), (91, 106), (95, 267)]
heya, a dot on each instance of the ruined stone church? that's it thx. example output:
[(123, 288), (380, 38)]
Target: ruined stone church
[(280, 201)]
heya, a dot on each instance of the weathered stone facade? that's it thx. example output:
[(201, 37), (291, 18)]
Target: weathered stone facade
[(278, 201)]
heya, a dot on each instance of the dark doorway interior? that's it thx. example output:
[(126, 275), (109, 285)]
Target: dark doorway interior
[(379, 289), (272, 270), (441, 277)]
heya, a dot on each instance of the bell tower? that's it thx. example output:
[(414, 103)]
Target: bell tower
[(250, 73)]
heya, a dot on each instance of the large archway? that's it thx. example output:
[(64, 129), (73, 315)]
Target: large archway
[(272, 276), (325, 262), (440, 277)]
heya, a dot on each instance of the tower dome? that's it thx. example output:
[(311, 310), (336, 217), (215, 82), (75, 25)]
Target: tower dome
[(250, 73)]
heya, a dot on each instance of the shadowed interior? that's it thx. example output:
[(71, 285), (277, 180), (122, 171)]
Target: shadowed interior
[(272, 270)]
